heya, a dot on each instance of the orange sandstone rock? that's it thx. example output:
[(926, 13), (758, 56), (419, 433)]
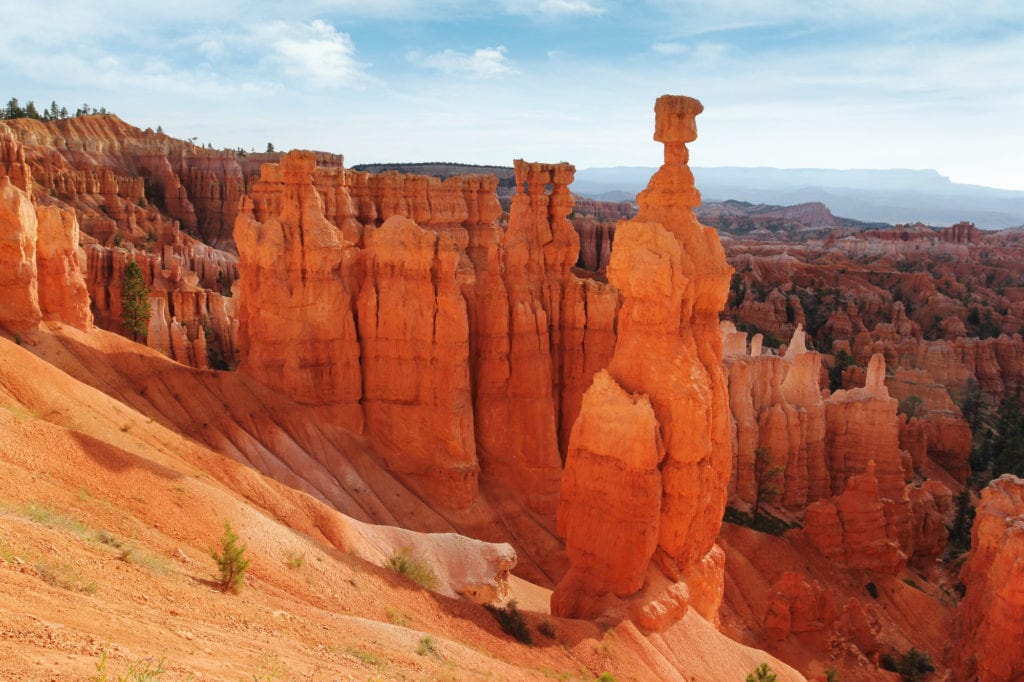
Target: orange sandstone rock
[(673, 280), (297, 322), (414, 336), (62, 291), (854, 527), (611, 495), (798, 606), (989, 642), (19, 285)]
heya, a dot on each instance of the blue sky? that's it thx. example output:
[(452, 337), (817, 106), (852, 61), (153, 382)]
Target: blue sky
[(870, 84)]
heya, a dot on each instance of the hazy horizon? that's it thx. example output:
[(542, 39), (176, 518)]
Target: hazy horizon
[(831, 85)]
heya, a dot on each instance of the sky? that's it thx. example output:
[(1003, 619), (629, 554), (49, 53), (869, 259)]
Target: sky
[(784, 83)]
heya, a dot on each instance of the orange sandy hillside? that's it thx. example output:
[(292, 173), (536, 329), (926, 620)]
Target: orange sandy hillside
[(108, 516)]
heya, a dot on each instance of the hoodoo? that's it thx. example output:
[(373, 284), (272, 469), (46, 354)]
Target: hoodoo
[(671, 435)]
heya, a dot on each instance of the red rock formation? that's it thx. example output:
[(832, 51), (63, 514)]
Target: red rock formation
[(672, 275), (862, 428), (19, 287), (930, 507), (989, 643), (297, 319), (797, 606), (414, 342), (611, 495), (62, 291), (961, 233), (778, 413), (855, 528)]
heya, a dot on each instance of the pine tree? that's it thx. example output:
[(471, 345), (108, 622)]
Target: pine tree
[(64, 112), (54, 111), (31, 111), (231, 561), (134, 302), (13, 110)]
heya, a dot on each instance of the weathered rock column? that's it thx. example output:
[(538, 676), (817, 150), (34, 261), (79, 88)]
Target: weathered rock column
[(673, 278)]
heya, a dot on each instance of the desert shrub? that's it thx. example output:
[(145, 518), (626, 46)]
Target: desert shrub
[(142, 670), (294, 559), (426, 646), (762, 673), (413, 568), (511, 621), (547, 629), (872, 590), (914, 665), (606, 677), (231, 561)]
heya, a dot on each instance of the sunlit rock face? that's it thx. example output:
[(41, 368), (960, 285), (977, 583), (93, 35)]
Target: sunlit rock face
[(659, 415), (990, 638)]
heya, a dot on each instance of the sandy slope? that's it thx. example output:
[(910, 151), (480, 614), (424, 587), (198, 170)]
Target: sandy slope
[(111, 497)]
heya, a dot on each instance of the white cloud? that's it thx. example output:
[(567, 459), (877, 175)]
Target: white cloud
[(318, 53), (554, 7), (486, 62), (670, 49)]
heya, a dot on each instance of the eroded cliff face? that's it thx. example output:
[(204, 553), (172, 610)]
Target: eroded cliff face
[(40, 273), (401, 301), (808, 446), (665, 373), (989, 642), (778, 418), (98, 188)]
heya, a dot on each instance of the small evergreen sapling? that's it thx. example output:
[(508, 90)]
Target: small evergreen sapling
[(231, 561)]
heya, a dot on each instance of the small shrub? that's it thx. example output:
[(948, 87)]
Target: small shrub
[(914, 665), (606, 677), (872, 590), (396, 618), (511, 621), (64, 576), (762, 673), (413, 568), (17, 339), (426, 646), (231, 561), (295, 560), (547, 629), (366, 657), (142, 670), (831, 675)]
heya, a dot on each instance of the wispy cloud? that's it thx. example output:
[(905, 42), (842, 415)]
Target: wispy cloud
[(317, 53), (486, 62), (554, 7), (670, 49)]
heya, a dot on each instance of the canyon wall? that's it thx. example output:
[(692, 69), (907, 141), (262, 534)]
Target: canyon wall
[(40, 274), (988, 645), (399, 299)]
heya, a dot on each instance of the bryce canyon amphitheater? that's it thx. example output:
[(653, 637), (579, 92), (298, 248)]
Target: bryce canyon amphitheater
[(673, 451)]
